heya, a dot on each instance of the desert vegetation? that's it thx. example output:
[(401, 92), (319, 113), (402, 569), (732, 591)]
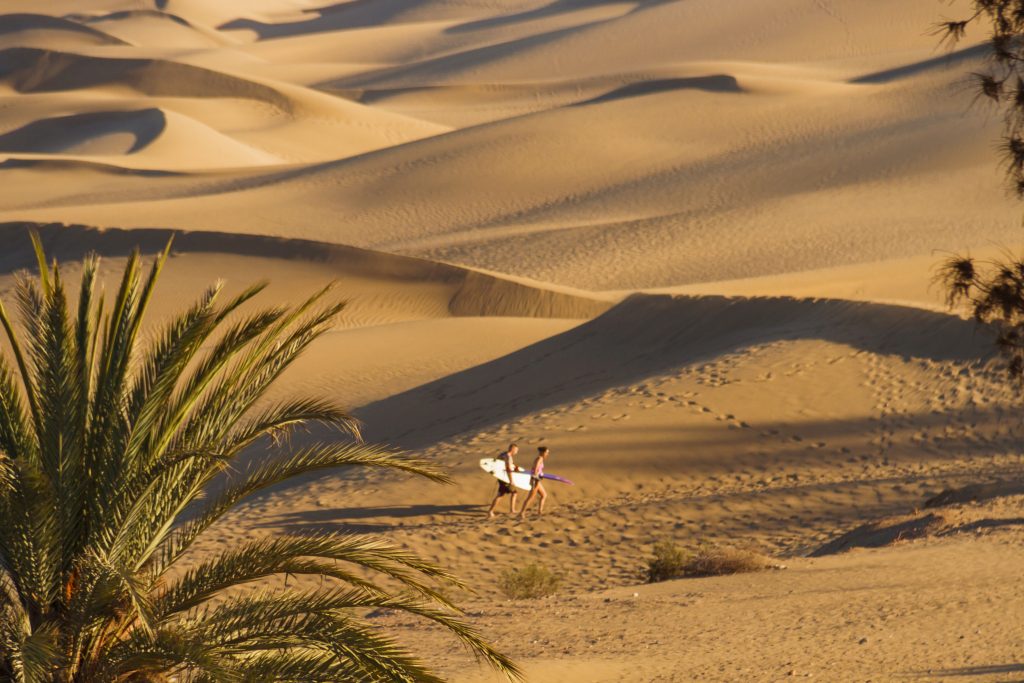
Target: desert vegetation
[(671, 561), (994, 291), (530, 581), (1002, 81)]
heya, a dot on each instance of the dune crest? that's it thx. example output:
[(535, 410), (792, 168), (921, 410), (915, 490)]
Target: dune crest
[(22, 28)]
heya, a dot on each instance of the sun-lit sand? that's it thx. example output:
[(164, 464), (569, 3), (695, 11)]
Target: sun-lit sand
[(686, 244)]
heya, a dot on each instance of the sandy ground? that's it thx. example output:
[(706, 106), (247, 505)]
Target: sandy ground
[(686, 244)]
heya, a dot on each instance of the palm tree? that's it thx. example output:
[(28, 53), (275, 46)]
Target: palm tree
[(1001, 81), (994, 292), (117, 456)]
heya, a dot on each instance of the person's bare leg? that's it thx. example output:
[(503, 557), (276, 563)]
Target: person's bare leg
[(543, 496), (512, 502), (526, 504), (494, 504)]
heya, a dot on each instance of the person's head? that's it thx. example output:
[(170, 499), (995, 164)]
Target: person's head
[(513, 448), (542, 451)]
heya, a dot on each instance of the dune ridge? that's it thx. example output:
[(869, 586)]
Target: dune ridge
[(33, 70), (472, 294), (22, 27), (153, 26), (646, 335), (317, 125), (115, 134)]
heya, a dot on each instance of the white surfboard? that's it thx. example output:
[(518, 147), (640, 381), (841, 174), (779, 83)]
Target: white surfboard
[(520, 478)]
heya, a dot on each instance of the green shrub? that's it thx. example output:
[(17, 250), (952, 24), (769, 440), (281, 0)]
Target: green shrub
[(669, 562), (531, 581)]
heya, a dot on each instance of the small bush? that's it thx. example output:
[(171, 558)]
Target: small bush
[(669, 562), (672, 562), (710, 561), (531, 581)]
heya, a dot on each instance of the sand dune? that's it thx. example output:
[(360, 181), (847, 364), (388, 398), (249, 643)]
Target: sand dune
[(101, 133), (406, 321), (456, 291), (30, 70), (159, 133), (26, 29), (776, 423), (315, 125), (154, 27), (687, 244), (650, 335), (855, 620), (663, 200), (787, 31)]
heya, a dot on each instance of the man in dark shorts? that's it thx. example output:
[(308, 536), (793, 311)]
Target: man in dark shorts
[(503, 488)]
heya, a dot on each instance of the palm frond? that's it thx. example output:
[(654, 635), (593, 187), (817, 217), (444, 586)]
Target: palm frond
[(116, 456), (279, 470), (281, 555)]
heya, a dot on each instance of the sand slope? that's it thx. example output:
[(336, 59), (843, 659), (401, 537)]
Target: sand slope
[(805, 171)]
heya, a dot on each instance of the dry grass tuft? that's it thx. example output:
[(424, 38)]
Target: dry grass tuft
[(672, 562), (531, 581), (710, 561)]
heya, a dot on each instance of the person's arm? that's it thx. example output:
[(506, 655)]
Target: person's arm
[(508, 469)]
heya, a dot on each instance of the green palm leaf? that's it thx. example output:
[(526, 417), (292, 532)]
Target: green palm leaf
[(116, 456)]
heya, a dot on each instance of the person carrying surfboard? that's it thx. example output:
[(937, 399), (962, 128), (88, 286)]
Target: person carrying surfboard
[(506, 488), (536, 485)]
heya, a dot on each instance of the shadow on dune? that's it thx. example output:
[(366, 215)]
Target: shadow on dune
[(63, 133), (972, 671), (792, 479), (809, 442), (975, 493), (425, 71), (472, 293), (131, 14), (18, 22), (720, 83), (32, 70), (973, 53), (364, 13), (73, 242), (337, 17), (936, 523), (647, 335), (553, 9), (341, 519), (44, 165)]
